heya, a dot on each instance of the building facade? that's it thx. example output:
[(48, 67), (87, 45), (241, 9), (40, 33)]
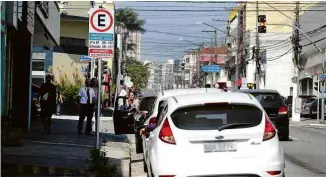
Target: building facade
[(310, 58), (26, 25), (274, 69)]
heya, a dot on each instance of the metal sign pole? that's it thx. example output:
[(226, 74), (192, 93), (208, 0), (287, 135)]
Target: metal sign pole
[(318, 95), (323, 104), (99, 94)]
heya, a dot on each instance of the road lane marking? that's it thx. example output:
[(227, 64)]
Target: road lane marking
[(292, 137)]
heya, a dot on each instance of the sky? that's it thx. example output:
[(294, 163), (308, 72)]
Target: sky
[(165, 28)]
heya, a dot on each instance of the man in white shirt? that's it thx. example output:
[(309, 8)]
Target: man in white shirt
[(123, 93), (86, 101)]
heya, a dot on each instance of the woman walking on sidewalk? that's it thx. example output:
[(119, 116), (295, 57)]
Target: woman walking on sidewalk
[(48, 102)]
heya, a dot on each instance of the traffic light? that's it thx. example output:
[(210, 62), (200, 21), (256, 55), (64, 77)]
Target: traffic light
[(261, 23), (182, 66), (321, 84)]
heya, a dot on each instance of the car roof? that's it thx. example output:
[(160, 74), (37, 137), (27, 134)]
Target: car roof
[(148, 94), (258, 91), (201, 98), (168, 93)]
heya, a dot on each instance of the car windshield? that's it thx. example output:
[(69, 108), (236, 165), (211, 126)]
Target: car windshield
[(268, 98), (212, 117), (146, 103)]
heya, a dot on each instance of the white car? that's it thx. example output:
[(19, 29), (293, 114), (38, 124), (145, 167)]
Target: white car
[(214, 134), (162, 96)]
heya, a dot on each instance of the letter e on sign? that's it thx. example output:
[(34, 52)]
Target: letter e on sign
[(101, 20)]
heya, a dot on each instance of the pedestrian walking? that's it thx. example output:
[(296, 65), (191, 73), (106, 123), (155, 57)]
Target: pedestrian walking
[(48, 102), (86, 107), (59, 102)]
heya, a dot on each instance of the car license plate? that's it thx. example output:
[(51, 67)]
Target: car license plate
[(220, 147)]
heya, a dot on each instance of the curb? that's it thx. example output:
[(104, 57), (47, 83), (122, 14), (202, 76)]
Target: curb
[(10, 169)]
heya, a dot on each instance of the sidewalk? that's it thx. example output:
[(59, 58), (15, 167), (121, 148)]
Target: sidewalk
[(307, 122), (64, 152)]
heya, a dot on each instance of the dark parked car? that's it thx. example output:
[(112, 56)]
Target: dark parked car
[(310, 109), (146, 103), (275, 108), (123, 117)]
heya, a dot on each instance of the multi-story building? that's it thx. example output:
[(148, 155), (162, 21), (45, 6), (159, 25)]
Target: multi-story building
[(311, 58), (168, 77), (207, 55), (190, 68), (155, 79), (26, 26), (275, 68), (134, 39)]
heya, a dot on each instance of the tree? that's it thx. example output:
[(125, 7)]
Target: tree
[(138, 72), (128, 19)]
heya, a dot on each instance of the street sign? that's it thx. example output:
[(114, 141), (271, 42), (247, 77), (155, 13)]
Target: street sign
[(84, 58), (322, 77), (101, 33), (211, 68)]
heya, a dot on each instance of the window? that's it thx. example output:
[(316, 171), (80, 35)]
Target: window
[(267, 99), (38, 81), (211, 117), (146, 103), (163, 109), (38, 65)]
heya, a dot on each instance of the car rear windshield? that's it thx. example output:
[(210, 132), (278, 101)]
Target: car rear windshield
[(267, 99), (146, 103), (212, 117)]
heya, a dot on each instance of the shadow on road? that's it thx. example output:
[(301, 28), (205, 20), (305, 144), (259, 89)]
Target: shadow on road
[(63, 148)]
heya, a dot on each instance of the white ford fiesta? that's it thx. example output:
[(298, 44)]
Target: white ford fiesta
[(214, 135)]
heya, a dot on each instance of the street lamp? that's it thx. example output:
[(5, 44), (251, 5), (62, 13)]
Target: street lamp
[(298, 74)]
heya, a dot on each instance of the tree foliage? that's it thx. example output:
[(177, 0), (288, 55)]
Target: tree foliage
[(69, 89), (127, 18), (138, 72)]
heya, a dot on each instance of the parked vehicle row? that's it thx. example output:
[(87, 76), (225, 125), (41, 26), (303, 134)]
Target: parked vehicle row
[(209, 131)]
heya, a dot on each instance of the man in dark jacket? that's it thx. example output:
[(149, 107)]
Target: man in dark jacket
[(48, 102)]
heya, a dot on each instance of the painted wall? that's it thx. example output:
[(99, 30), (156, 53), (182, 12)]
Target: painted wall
[(67, 64)]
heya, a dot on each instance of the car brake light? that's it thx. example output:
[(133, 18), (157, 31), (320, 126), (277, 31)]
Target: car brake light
[(152, 120), (166, 134), (270, 130), (274, 172), (283, 110)]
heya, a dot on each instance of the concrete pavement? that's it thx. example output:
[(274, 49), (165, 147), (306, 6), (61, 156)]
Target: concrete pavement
[(65, 149)]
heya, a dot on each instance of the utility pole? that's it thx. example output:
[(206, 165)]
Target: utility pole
[(296, 45), (257, 55)]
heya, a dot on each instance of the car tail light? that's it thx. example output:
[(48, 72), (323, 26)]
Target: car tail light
[(152, 120), (166, 134), (283, 110), (274, 172), (270, 130)]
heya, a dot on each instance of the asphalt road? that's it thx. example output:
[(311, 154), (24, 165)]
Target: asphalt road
[(306, 153)]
